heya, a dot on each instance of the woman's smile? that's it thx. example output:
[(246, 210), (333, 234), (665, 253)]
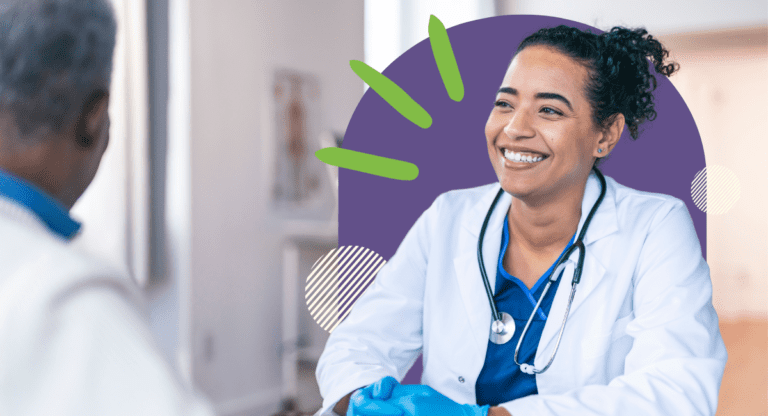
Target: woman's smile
[(521, 159)]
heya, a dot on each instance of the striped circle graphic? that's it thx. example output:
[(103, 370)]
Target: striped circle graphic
[(715, 189), (337, 280)]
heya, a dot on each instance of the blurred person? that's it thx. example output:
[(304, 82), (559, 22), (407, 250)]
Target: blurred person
[(640, 335), (74, 339)]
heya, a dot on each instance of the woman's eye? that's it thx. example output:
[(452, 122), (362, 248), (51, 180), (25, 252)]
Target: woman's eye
[(551, 111), (501, 104)]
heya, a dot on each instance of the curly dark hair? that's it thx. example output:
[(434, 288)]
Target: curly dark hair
[(55, 56), (620, 79)]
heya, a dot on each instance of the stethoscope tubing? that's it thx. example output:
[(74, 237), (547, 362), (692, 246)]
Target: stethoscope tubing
[(494, 312), (559, 267)]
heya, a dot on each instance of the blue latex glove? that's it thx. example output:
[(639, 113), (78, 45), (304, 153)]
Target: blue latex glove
[(370, 401), (418, 400)]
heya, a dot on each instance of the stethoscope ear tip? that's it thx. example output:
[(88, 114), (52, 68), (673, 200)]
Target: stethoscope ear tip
[(527, 369)]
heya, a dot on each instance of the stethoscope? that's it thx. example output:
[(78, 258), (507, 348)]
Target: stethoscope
[(503, 326)]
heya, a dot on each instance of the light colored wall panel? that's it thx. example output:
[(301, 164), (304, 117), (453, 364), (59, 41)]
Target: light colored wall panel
[(658, 16), (230, 272), (724, 79)]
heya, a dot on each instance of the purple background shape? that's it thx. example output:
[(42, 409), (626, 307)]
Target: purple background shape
[(376, 212)]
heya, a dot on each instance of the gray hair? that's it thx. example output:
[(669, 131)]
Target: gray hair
[(55, 55)]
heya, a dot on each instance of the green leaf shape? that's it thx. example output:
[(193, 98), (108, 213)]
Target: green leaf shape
[(392, 93), (368, 163)]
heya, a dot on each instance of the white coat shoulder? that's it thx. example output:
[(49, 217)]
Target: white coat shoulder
[(74, 333), (640, 214), (633, 203)]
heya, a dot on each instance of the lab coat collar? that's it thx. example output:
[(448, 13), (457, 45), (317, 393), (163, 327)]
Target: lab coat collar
[(598, 251), (604, 223), (465, 263)]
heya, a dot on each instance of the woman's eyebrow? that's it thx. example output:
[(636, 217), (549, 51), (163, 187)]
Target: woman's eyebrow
[(553, 96), (507, 90), (541, 95)]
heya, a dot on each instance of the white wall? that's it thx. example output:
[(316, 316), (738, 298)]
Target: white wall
[(394, 26), (723, 78), (115, 207), (658, 16), (226, 253)]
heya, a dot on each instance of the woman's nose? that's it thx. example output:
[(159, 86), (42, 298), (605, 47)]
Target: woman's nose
[(519, 126)]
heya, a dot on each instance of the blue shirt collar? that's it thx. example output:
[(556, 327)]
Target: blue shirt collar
[(50, 211), (505, 274)]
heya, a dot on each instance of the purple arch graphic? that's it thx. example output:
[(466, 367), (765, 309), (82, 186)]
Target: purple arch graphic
[(376, 212)]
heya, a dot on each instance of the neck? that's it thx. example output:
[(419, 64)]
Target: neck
[(547, 222), (39, 164)]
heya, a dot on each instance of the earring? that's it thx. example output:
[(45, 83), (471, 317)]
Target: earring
[(599, 150)]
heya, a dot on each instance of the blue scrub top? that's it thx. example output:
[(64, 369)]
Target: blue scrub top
[(501, 380), (52, 213)]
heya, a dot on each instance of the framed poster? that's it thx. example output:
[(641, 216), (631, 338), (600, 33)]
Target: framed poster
[(301, 188)]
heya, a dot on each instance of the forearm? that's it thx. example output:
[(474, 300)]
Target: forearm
[(341, 405), (498, 411)]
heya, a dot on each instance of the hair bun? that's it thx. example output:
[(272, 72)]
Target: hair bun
[(639, 42), (621, 81)]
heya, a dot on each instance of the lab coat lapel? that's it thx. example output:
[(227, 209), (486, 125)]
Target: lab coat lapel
[(604, 223), (466, 266)]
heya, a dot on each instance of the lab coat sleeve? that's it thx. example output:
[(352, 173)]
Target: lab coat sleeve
[(678, 357), (90, 352), (382, 336)]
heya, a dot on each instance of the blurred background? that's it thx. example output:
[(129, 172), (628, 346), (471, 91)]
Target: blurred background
[(210, 195)]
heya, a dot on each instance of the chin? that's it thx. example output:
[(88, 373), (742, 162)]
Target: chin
[(516, 188)]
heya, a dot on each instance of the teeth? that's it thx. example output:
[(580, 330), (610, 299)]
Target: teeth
[(519, 157)]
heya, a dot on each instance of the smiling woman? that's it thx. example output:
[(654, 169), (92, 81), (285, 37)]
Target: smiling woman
[(541, 137), (561, 108), (639, 337), (577, 90)]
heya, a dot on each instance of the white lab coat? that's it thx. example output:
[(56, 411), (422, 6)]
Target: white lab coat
[(642, 337), (73, 337)]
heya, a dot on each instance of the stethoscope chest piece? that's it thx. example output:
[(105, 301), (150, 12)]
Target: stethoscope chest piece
[(502, 331)]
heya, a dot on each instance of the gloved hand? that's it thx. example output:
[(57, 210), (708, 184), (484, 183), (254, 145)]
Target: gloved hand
[(387, 397), (418, 400), (370, 401)]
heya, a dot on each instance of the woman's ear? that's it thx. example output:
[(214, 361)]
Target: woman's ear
[(92, 119), (611, 136)]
